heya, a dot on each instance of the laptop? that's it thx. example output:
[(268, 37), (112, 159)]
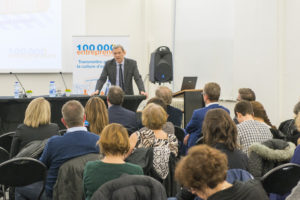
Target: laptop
[(189, 82)]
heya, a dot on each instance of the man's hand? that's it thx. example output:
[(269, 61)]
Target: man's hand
[(95, 93), (186, 139), (144, 93)]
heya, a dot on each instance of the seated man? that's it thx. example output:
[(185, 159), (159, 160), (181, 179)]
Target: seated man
[(211, 94), (77, 141), (249, 130), (175, 115), (203, 171), (246, 94), (118, 114)]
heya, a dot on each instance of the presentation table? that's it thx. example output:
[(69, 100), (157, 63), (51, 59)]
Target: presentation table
[(12, 111)]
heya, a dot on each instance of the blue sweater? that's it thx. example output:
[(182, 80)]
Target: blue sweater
[(194, 127), (60, 149)]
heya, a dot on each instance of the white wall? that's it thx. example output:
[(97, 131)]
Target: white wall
[(256, 52), (291, 89)]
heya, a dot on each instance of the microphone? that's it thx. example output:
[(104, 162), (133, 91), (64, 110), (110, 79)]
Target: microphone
[(20, 84), (62, 77)]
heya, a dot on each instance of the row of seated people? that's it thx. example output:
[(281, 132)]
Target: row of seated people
[(78, 141), (156, 134)]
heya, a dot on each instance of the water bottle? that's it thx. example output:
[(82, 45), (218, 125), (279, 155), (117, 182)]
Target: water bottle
[(52, 89), (108, 84), (16, 91)]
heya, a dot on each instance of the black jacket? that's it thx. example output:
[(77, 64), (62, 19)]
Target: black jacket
[(25, 134), (130, 71), (120, 115), (175, 115), (131, 187)]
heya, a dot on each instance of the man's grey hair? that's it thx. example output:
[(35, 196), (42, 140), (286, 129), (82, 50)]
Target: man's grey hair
[(118, 46)]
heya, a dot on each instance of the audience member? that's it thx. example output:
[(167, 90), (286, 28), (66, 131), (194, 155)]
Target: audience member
[(260, 114), (77, 141), (152, 135), (114, 144), (211, 94), (289, 128), (249, 130), (36, 125), (118, 114), (219, 131), (175, 115), (203, 172), (168, 127), (96, 115), (246, 94)]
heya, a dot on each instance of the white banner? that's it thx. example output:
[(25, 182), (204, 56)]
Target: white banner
[(90, 54)]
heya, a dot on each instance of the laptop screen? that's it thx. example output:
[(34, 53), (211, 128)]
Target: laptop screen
[(189, 82)]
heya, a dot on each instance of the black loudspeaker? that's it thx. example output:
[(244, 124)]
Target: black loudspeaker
[(161, 65)]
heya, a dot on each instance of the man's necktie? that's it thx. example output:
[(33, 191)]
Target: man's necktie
[(121, 82)]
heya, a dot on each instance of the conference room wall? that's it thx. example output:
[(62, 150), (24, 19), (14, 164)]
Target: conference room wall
[(264, 55)]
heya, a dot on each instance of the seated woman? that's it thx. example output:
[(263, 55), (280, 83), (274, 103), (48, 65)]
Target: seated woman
[(36, 125), (152, 135), (289, 128), (96, 115), (203, 172), (260, 115), (114, 144), (220, 131)]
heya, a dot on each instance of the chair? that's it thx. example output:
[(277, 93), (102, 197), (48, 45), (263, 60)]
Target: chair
[(179, 133), (62, 132), (21, 172), (200, 140), (4, 155), (6, 140), (69, 180), (281, 179), (131, 187)]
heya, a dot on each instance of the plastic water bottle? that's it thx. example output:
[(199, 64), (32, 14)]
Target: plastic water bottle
[(108, 84), (52, 89), (16, 91)]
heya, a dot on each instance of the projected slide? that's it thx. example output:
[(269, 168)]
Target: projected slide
[(30, 35)]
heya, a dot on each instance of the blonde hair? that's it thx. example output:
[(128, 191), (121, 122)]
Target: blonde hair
[(37, 113), (114, 140), (96, 114), (154, 116)]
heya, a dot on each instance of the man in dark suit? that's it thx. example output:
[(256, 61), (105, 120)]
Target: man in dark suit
[(120, 71), (211, 94), (175, 115), (118, 114)]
